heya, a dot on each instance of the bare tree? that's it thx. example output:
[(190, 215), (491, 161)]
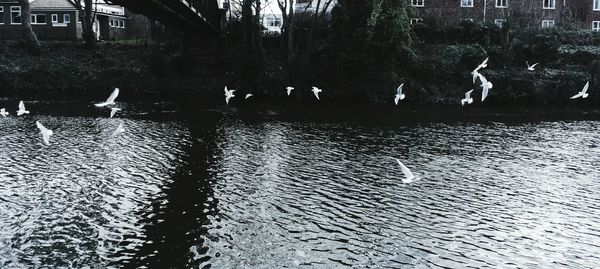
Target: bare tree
[(31, 41), (287, 28), (87, 21)]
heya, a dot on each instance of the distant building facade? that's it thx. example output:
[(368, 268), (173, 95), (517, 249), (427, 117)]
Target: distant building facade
[(584, 14), (60, 20)]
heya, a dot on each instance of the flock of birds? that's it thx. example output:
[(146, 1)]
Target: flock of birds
[(408, 175), (47, 133), (485, 85)]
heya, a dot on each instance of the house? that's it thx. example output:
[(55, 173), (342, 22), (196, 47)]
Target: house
[(50, 19), (61, 20), (271, 14), (583, 14)]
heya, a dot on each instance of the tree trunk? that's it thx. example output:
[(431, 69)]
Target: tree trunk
[(258, 42), (89, 36), (33, 45), (287, 29)]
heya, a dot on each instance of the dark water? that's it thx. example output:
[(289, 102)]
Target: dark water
[(264, 188)]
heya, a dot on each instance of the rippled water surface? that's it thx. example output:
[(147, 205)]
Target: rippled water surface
[(266, 191)]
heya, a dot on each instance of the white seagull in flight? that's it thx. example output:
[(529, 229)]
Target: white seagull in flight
[(408, 176), (485, 85), (399, 94), (475, 72), (531, 67), (22, 110), (46, 133), (249, 95), (228, 95), (583, 93), (120, 129), (316, 91), (468, 99), (289, 90), (111, 99), (114, 111), (3, 113)]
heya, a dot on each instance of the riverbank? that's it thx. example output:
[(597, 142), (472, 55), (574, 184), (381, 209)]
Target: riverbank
[(433, 73)]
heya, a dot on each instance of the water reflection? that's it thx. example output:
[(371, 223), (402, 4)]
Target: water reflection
[(250, 189), (325, 195)]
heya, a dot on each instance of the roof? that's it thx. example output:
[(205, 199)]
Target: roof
[(52, 5)]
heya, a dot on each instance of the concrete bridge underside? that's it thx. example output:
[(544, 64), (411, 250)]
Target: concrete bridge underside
[(194, 17)]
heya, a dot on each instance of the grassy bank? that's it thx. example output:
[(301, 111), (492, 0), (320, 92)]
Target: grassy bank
[(68, 70), (435, 71)]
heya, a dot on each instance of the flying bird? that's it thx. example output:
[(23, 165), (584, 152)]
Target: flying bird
[(289, 90), (22, 110), (46, 133), (111, 99), (316, 91), (3, 113), (120, 129), (486, 86), (583, 93), (531, 67), (249, 95), (408, 176), (228, 95), (468, 99), (399, 94), (475, 72), (114, 111)]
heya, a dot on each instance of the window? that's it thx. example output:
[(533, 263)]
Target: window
[(38, 18), (500, 22), (122, 24), (466, 3), (274, 21), (54, 18), (596, 5), (67, 18), (1, 15), (549, 4), (547, 23), (596, 26), (112, 23), (15, 15), (414, 21), (417, 3), (502, 3)]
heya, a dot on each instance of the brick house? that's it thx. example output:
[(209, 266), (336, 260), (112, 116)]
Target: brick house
[(584, 14), (60, 20), (50, 20)]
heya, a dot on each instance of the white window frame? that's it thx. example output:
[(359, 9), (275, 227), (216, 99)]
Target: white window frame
[(547, 23), (15, 9), (66, 18), (34, 19), (466, 3), (417, 3), (414, 21), (54, 18), (111, 23), (595, 25), (551, 4), (500, 22), (505, 2), (2, 11), (122, 24), (596, 6)]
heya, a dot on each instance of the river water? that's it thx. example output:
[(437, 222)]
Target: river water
[(255, 187)]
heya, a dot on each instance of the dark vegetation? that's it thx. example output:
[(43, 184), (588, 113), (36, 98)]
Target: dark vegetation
[(359, 53)]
